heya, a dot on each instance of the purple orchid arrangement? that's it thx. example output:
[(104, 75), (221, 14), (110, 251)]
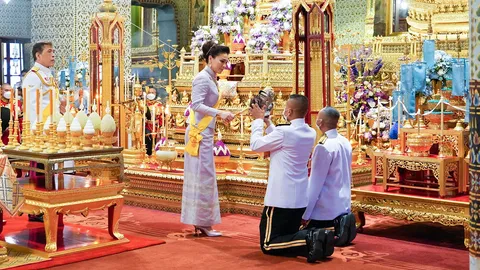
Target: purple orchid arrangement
[(263, 35), (281, 15), (366, 97), (244, 8), (226, 20), (202, 35), (364, 67)]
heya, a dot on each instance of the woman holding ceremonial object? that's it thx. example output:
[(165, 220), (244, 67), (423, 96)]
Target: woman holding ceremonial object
[(200, 206)]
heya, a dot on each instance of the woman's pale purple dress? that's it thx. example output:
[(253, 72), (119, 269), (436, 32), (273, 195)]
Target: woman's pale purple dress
[(200, 204)]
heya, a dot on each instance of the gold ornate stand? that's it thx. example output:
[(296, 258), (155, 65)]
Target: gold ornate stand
[(65, 195), (440, 166), (411, 208), (75, 200), (112, 158)]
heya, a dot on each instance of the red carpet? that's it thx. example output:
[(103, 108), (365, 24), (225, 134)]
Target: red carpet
[(386, 244), (33, 233)]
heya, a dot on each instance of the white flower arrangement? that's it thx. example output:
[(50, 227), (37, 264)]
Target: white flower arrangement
[(226, 20), (261, 35), (202, 35), (244, 7), (281, 16)]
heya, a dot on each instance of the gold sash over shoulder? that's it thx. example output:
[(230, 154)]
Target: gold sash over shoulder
[(46, 112), (194, 136)]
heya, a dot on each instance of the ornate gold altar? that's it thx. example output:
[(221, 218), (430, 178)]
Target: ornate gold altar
[(242, 182)]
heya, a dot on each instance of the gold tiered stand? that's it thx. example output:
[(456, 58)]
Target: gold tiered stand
[(65, 195)]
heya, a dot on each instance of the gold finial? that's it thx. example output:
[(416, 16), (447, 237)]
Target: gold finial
[(107, 6)]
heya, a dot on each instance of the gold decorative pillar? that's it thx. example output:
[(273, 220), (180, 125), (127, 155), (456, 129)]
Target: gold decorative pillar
[(474, 122), (313, 34), (370, 19), (107, 52)]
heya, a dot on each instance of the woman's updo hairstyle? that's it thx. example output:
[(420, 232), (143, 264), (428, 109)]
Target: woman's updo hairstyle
[(213, 49)]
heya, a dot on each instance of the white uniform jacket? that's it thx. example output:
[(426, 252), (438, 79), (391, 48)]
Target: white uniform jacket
[(290, 148), (329, 190)]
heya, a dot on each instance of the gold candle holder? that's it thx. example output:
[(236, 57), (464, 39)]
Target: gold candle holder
[(360, 159), (144, 157), (16, 133), (459, 126), (68, 140), (98, 135), (407, 124), (76, 140), (240, 168), (11, 135), (87, 141), (51, 148), (95, 141), (25, 136), (37, 145)]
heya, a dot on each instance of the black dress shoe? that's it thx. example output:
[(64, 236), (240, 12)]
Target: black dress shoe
[(320, 243), (35, 218)]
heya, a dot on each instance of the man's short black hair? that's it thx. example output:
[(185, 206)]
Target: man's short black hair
[(301, 104), (38, 48), (331, 117)]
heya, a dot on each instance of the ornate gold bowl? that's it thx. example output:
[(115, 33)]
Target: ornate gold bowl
[(165, 156), (434, 119), (419, 144), (220, 162)]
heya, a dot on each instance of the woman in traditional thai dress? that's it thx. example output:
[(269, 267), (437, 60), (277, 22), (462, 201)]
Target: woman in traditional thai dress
[(200, 206)]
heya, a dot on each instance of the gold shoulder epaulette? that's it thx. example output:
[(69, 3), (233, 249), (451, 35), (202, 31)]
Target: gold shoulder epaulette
[(323, 139), (35, 69)]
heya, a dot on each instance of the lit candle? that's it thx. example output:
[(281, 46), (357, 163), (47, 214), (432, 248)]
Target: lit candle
[(11, 106), (51, 104), (88, 103), (38, 106), (98, 105), (359, 123), (25, 116), (15, 104), (68, 100)]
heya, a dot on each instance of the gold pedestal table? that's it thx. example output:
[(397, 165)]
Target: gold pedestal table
[(441, 168), (54, 163), (70, 194)]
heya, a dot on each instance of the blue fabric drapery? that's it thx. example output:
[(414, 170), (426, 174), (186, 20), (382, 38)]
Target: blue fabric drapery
[(458, 77), (429, 53), (72, 64), (419, 77), (63, 79), (406, 73)]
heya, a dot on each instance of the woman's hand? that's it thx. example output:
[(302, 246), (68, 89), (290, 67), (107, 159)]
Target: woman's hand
[(226, 115)]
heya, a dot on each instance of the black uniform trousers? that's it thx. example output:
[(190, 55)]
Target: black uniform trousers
[(279, 232), (320, 224)]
